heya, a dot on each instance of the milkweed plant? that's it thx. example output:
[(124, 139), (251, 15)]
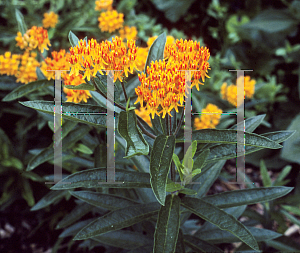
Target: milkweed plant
[(163, 186)]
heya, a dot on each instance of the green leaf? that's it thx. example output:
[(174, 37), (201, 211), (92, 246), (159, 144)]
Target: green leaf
[(78, 212), (118, 219), (271, 21), (27, 193), (159, 125), (101, 82), (124, 239), (82, 86), (292, 209), (199, 245), (50, 198), (48, 153), (172, 187), (230, 136), (107, 201), (200, 160), (217, 236), (251, 123), (71, 110), (74, 41), (173, 10), (286, 170), (178, 166), (291, 148), (21, 23), (187, 191), (180, 247), (135, 142), (291, 217), (27, 88), (228, 151), (167, 225), (156, 51), (93, 178), (246, 196), (75, 228), (40, 74), (188, 161), (220, 218), (160, 160), (83, 149), (264, 174)]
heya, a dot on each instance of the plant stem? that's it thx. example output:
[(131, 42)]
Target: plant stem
[(42, 56), (123, 108), (125, 94)]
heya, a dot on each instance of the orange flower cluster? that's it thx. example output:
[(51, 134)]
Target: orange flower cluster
[(110, 21), (26, 72), (230, 93), (103, 5), (36, 37), (208, 120), (94, 57), (50, 19), (165, 84), (128, 33), (9, 64), (60, 61)]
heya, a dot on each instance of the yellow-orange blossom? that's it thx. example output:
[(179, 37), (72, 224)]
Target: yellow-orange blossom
[(92, 57), (165, 84)]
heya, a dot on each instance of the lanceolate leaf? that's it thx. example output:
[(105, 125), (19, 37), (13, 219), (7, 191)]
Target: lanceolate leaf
[(107, 201), (27, 88), (73, 39), (49, 199), (229, 136), (78, 212), (156, 51), (160, 160), (198, 245), (167, 225), (21, 23), (220, 218), (246, 196), (136, 144), (96, 178), (180, 247), (48, 153), (118, 219), (89, 114), (217, 236), (82, 86)]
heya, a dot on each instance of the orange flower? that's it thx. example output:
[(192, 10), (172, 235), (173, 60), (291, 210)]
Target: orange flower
[(50, 20), (103, 5), (110, 21), (94, 57), (27, 70), (36, 37), (128, 33), (59, 61), (208, 120), (164, 85), (230, 93), (9, 63)]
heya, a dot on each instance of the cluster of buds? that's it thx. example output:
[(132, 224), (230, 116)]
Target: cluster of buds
[(36, 37)]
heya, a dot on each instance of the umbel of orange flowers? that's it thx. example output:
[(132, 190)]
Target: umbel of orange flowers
[(92, 57), (165, 82)]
